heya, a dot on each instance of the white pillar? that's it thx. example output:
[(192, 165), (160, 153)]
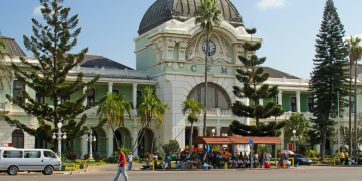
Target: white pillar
[(247, 102), (280, 97), (110, 143), (218, 130), (134, 99), (84, 146), (110, 87), (85, 100), (134, 93), (298, 101), (134, 140)]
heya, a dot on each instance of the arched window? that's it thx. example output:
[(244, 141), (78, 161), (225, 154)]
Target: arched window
[(17, 139), (216, 96)]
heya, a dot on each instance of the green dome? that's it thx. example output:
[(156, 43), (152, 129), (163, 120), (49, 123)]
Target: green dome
[(162, 11)]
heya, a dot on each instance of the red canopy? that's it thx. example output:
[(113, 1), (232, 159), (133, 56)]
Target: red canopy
[(236, 140)]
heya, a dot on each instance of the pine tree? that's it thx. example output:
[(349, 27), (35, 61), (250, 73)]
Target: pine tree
[(329, 75), (252, 76), (50, 43)]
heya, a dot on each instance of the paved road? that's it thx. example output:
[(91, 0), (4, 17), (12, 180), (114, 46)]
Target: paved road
[(299, 174)]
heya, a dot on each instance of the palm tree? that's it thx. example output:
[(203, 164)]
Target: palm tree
[(4, 69), (112, 110), (193, 108), (355, 54), (149, 107), (207, 16)]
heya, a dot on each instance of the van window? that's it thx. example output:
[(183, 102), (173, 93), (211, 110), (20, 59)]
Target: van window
[(49, 154), (31, 154), (13, 154)]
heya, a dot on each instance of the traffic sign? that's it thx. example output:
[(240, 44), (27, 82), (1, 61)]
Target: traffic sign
[(251, 141)]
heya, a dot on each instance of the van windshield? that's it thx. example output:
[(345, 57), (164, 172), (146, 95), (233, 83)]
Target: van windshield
[(49, 154)]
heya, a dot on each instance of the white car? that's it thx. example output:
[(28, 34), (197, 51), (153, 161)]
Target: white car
[(14, 160)]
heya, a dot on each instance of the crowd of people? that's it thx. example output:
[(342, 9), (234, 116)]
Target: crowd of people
[(346, 159), (222, 158)]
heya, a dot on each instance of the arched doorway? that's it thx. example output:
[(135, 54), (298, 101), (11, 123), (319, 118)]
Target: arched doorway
[(17, 139), (217, 97), (123, 138), (99, 147), (187, 135), (146, 143)]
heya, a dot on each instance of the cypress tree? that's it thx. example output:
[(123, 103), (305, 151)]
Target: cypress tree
[(329, 75), (52, 39), (252, 76)]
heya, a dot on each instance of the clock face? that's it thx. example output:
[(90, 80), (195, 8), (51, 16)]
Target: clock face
[(212, 48)]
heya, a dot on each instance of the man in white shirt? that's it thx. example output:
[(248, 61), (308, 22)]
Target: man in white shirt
[(130, 159)]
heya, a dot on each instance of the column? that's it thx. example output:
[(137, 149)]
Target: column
[(27, 90), (85, 100), (110, 87), (83, 146), (218, 130), (261, 102), (110, 143), (298, 101), (134, 100), (134, 93), (134, 140), (280, 97)]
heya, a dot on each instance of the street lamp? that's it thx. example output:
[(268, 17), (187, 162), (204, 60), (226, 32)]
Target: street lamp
[(294, 139), (59, 136), (213, 131), (91, 139)]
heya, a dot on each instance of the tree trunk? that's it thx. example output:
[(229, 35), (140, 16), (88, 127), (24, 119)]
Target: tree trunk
[(323, 143), (115, 137), (124, 136), (350, 110), (355, 109), (206, 67), (191, 134), (139, 135)]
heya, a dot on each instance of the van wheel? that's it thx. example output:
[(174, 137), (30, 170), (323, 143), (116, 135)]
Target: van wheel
[(13, 170), (48, 170)]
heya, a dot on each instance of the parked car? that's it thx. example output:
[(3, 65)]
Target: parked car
[(301, 160), (14, 160)]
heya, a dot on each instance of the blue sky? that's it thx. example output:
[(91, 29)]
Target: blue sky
[(288, 27)]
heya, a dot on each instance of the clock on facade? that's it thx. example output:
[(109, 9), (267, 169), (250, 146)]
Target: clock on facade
[(212, 48)]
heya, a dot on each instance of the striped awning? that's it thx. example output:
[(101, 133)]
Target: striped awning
[(236, 140)]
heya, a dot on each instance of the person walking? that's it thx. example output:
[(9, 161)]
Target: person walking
[(122, 167), (130, 159)]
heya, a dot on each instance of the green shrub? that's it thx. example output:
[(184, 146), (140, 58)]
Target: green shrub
[(71, 156)]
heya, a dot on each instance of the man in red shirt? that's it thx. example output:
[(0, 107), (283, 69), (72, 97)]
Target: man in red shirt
[(122, 167)]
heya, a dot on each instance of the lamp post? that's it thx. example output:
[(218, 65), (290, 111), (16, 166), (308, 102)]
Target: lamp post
[(213, 132), (59, 136), (294, 139), (91, 139)]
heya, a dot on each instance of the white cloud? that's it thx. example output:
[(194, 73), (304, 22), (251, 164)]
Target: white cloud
[(270, 4), (37, 11)]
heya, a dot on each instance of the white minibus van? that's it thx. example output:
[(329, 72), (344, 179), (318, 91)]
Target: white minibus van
[(14, 160)]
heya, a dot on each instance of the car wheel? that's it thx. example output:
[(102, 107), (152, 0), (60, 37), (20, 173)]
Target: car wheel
[(48, 170), (13, 170)]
